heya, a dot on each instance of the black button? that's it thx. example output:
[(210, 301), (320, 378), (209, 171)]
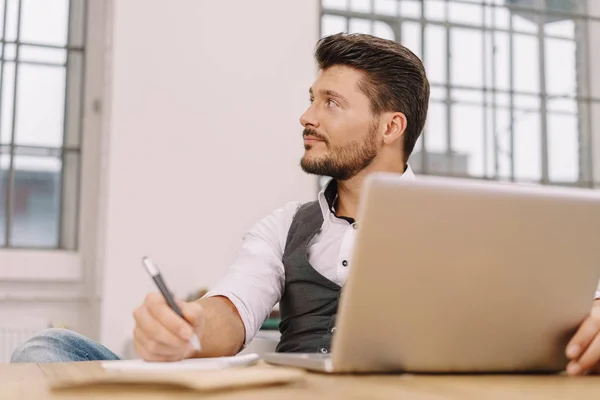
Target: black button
[(324, 350), (345, 263)]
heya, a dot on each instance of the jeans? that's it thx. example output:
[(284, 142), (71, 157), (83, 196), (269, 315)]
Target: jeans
[(60, 345)]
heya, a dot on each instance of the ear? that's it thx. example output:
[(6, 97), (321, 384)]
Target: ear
[(395, 128)]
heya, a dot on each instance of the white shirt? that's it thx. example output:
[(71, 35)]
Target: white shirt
[(255, 281)]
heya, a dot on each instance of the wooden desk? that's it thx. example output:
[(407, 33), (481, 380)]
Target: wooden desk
[(28, 381)]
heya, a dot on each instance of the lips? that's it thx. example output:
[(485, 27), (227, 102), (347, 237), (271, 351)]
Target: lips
[(312, 139)]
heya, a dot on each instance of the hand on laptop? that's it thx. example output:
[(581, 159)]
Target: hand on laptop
[(584, 349), (160, 334)]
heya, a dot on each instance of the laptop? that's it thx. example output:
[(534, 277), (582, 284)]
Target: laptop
[(462, 276)]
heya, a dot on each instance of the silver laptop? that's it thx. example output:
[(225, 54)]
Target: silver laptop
[(453, 275)]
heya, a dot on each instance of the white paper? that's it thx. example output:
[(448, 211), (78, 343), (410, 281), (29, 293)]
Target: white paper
[(195, 364)]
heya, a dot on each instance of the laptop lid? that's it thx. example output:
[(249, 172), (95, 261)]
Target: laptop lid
[(453, 275)]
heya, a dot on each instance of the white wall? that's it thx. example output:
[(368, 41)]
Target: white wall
[(202, 139)]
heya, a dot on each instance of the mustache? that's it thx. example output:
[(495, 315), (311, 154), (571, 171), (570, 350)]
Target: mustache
[(312, 132)]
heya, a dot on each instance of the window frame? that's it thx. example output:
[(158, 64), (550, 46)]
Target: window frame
[(79, 265), (492, 169)]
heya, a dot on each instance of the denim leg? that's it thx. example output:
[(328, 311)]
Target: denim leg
[(60, 345)]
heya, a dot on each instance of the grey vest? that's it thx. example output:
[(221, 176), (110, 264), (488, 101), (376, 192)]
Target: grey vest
[(309, 302)]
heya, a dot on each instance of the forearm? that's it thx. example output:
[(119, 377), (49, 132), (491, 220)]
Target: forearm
[(223, 332)]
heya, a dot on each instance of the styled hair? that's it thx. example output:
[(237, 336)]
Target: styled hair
[(394, 77)]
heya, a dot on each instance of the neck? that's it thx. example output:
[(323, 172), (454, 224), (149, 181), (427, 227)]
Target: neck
[(350, 189)]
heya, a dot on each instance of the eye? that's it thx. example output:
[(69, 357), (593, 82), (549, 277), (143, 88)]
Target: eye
[(331, 103), (311, 100)]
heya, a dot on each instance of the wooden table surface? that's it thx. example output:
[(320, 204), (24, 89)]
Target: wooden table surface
[(29, 381)]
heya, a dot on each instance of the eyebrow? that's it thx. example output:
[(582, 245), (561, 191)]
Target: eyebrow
[(330, 93)]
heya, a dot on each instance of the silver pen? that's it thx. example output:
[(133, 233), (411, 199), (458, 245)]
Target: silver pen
[(159, 281)]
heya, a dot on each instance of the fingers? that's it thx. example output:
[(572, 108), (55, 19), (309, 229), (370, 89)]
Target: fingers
[(151, 350), (153, 334), (584, 348), (194, 314), (159, 309), (582, 338), (588, 360)]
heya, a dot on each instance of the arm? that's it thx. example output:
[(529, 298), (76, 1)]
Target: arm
[(230, 315), (223, 333), (238, 305)]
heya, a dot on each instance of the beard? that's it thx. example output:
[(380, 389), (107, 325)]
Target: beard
[(342, 161)]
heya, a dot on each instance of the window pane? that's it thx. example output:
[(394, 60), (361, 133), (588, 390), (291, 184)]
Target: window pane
[(562, 105), (336, 4), (466, 47), (560, 67), (437, 93), (528, 25), (470, 14), (527, 137), (45, 21), (386, 7), (500, 17), (467, 137), (435, 10), (435, 53), (500, 143), (6, 113), (36, 202), (436, 129), (564, 28), (500, 62), (411, 37), (332, 24), (466, 96), (360, 5), (383, 30), (359, 25), (10, 52), (526, 102), (12, 16), (410, 8), (563, 148), (40, 93), (526, 65)]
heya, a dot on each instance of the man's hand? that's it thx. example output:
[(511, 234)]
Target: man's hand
[(160, 334), (584, 349)]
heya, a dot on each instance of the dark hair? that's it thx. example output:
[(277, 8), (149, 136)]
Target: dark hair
[(395, 78)]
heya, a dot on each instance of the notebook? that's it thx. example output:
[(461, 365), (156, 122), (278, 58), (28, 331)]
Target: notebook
[(138, 377), (195, 364)]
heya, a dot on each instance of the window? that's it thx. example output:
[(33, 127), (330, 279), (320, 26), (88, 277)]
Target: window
[(509, 82), (41, 91)]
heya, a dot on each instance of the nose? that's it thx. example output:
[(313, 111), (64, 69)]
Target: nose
[(309, 118)]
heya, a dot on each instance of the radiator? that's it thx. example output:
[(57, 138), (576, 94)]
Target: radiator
[(12, 337)]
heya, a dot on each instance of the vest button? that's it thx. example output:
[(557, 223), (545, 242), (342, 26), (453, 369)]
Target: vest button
[(345, 263), (324, 350)]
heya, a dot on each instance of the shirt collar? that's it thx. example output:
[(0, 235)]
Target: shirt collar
[(328, 195)]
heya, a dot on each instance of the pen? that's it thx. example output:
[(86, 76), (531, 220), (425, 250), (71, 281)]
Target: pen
[(157, 278)]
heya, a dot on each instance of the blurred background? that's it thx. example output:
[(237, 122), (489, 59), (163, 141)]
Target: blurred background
[(167, 128)]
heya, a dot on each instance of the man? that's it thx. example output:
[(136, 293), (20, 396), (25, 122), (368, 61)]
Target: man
[(367, 108)]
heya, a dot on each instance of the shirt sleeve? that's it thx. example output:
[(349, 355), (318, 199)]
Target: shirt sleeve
[(255, 281)]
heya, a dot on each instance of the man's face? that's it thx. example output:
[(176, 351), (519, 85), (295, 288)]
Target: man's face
[(340, 131)]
